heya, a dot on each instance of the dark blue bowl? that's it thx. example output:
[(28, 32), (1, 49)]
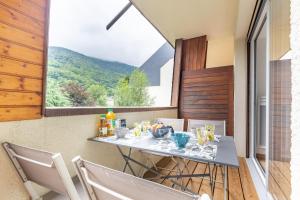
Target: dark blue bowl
[(180, 139)]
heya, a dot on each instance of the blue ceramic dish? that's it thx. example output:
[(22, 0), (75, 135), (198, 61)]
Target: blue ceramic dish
[(160, 132), (180, 139)]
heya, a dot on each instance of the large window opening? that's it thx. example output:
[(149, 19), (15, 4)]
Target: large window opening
[(130, 64)]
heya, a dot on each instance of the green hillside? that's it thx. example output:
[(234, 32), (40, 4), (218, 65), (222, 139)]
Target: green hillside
[(65, 65)]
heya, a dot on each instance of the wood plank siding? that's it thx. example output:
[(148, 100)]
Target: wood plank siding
[(23, 35), (280, 110), (280, 129), (208, 94), (194, 53), (200, 93)]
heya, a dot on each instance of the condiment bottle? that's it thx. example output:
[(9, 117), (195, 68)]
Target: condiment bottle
[(103, 126), (111, 121)]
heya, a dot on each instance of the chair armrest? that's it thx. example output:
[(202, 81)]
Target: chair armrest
[(30, 160)]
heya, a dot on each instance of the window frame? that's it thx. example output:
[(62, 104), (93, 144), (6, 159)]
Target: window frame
[(73, 111)]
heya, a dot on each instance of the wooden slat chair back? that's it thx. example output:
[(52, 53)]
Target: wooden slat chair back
[(220, 125), (107, 184), (177, 124), (44, 168)]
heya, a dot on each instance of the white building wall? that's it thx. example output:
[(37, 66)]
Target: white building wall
[(162, 93), (295, 149)]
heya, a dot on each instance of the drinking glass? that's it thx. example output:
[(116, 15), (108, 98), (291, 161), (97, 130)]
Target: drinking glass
[(210, 129), (201, 136), (137, 131)]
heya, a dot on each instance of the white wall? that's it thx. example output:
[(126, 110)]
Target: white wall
[(240, 95), (227, 51), (162, 93), (67, 135), (220, 52)]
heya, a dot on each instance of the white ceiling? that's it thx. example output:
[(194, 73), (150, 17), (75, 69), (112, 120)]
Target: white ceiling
[(191, 18)]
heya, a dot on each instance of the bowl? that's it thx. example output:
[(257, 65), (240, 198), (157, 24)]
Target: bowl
[(180, 139), (121, 132), (160, 132)]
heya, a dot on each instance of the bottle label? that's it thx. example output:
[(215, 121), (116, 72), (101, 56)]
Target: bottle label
[(100, 132), (104, 131), (111, 124)]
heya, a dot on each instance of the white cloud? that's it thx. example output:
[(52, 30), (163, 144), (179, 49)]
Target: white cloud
[(80, 25)]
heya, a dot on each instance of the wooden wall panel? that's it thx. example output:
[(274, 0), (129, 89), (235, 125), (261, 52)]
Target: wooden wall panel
[(26, 7), (20, 113), (20, 52), (207, 94), (41, 3), (23, 35), (194, 53), (280, 110), (20, 98), (19, 68), (176, 72), (19, 83), (24, 22)]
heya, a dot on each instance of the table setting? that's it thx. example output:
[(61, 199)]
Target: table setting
[(200, 143)]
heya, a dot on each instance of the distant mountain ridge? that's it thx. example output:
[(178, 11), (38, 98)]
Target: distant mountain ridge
[(65, 64)]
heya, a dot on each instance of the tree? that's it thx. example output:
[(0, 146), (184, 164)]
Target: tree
[(132, 90), (77, 94), (122, 93), (98, 94), (55, 97)]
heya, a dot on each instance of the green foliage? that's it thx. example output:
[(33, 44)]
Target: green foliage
[(98, 94), (122, 93), (65, 65), (55, 97), (132, 91), (79, 80), (77, 94)]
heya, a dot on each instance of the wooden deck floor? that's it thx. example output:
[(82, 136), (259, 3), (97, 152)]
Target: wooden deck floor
[(240, 184), (280, 180)]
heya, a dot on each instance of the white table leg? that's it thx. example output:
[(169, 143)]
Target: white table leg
[(225, 183)]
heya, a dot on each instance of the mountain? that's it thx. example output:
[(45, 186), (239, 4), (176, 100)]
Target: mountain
[(65, 64)]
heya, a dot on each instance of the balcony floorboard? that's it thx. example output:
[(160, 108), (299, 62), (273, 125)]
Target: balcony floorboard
[(240, 183)]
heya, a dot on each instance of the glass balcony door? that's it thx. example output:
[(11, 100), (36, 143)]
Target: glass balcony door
[(259, 94)]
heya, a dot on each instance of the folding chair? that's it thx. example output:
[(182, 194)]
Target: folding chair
[(220, 125), (107, 184), (44, 168), (220, 129)]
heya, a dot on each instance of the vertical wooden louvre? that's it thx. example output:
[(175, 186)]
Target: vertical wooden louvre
[(23, 29), (194, 53)]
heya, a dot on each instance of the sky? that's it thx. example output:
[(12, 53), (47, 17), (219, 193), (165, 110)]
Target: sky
[(80, 25)]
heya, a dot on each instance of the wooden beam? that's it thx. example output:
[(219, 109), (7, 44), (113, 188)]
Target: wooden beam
[(176, 73)]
